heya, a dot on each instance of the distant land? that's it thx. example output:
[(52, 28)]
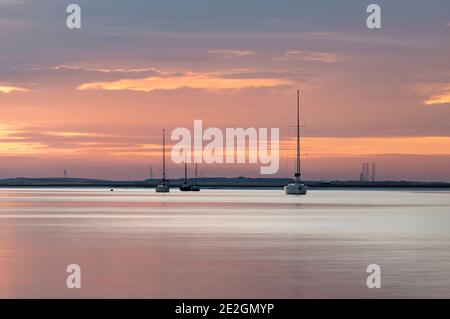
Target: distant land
[(213, 182)]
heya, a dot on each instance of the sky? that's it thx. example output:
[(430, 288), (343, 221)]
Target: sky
[(94, 100)]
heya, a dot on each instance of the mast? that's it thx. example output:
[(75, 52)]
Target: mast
[(196, 174), (185, 171), (297, 173), (164, 154)]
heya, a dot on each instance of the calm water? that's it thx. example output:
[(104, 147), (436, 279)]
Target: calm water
[(224, 243)]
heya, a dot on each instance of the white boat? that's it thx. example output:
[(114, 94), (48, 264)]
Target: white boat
[(163, 185), (297, 187)]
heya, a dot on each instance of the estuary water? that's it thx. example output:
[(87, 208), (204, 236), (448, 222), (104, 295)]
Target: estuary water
[(134, 243)]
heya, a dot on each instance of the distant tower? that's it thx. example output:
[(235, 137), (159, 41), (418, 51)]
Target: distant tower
[(366, 172), (373, 172), (65, 173), (364, 176)]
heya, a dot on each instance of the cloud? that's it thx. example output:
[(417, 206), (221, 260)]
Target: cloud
[(15, 140), (67, 76), (438, 99), (69, 134), (11, 89), (364, 146), (12, 144), (439, 96), (432, 93), (33, 142), (323, 57), (229, 54), (204, 81), (103, 70), (22, 141)]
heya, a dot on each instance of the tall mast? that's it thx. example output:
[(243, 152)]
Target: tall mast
[(297, 173), (164, 154), (185, 171)]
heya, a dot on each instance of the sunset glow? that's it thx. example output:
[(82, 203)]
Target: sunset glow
[(189, 80), (10, 89), (96, 99)]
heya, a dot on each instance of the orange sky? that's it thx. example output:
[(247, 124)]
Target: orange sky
[(95, 100)]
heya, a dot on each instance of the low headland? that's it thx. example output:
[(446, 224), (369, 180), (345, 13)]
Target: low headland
[(215, 182)]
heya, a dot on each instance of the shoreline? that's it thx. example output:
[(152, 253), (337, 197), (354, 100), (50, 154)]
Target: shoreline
[(219, 183)]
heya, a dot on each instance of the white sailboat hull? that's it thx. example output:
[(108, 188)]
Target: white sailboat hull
[(163, 185), (295, 189)]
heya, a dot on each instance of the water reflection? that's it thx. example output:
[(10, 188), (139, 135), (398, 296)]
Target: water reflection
[(223, 243)]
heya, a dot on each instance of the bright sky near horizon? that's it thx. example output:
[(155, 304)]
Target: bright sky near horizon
[(94, 100)]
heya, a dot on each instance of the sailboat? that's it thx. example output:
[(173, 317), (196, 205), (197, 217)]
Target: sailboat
[(297, 187), (163, 185), (185, 187), (195, 187)]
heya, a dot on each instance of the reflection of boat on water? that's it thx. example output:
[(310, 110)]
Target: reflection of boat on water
[(297, 187), (163, 185)]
